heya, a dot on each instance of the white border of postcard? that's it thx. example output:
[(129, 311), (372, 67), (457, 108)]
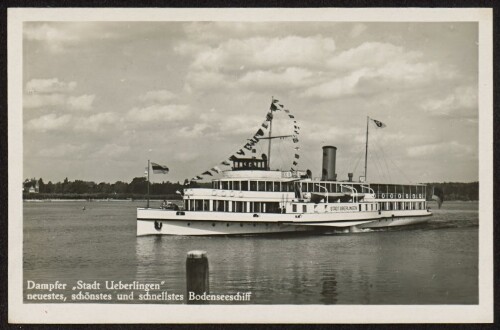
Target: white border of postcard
[(115, 313)]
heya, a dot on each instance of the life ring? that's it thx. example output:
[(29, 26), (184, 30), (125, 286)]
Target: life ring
[(158, 225)]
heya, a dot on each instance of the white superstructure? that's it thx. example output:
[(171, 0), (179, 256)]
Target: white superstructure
[(261, 201)]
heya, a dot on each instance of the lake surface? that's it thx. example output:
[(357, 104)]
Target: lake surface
[(434, 263)]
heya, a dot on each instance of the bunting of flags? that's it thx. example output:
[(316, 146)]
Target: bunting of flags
[(250, 145)]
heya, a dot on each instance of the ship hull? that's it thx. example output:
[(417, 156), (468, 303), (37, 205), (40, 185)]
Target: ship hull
[(163, 222), (209, 228)]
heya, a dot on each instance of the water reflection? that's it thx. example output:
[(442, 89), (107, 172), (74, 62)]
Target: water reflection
[(328, 288)]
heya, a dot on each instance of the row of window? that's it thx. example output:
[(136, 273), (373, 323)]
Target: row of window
[(278, 186), (273, 207), (399, 196), (387, 191), (389, 206), (231, 206), (397, 189)]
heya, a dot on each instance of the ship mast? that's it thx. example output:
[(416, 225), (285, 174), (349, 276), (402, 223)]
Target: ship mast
[(270, 137), (366, 148), (269, 143)]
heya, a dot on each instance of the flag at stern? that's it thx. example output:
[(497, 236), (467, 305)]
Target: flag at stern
[(157, 169)]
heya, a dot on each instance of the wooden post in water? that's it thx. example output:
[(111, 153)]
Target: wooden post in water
[(197, 274)]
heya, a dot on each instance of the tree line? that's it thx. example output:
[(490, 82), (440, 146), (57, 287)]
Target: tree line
[(137, 189), (79, 189), (456, 191)]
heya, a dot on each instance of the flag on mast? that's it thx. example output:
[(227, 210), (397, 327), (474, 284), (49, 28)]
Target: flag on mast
[(159, 168), (438, 195), (379, 124)]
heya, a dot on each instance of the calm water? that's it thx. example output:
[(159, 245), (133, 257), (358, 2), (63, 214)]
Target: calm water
[(435, 263)]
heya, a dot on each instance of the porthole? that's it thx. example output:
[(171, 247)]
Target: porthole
[(241, 225), (227, 224), (213, 224), (254, 224), (189, 224)]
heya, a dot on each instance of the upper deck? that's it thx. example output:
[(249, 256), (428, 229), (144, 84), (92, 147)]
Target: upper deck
[(284, 181), (253, 175)]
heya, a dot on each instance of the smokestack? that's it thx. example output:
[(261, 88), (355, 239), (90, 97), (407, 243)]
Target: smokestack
[(329, 158), (350, 175)]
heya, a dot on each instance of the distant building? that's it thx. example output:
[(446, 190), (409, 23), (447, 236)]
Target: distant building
[(31, 186)]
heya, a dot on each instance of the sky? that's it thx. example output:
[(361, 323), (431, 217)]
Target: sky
[(101, 98)]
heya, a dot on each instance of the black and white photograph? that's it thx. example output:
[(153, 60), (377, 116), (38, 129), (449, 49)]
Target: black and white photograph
[(250, 165)]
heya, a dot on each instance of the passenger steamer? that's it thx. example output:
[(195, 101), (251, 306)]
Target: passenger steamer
[(250, 198)]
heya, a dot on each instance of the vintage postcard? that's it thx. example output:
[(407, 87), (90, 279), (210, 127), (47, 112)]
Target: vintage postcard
[(250, 165)]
